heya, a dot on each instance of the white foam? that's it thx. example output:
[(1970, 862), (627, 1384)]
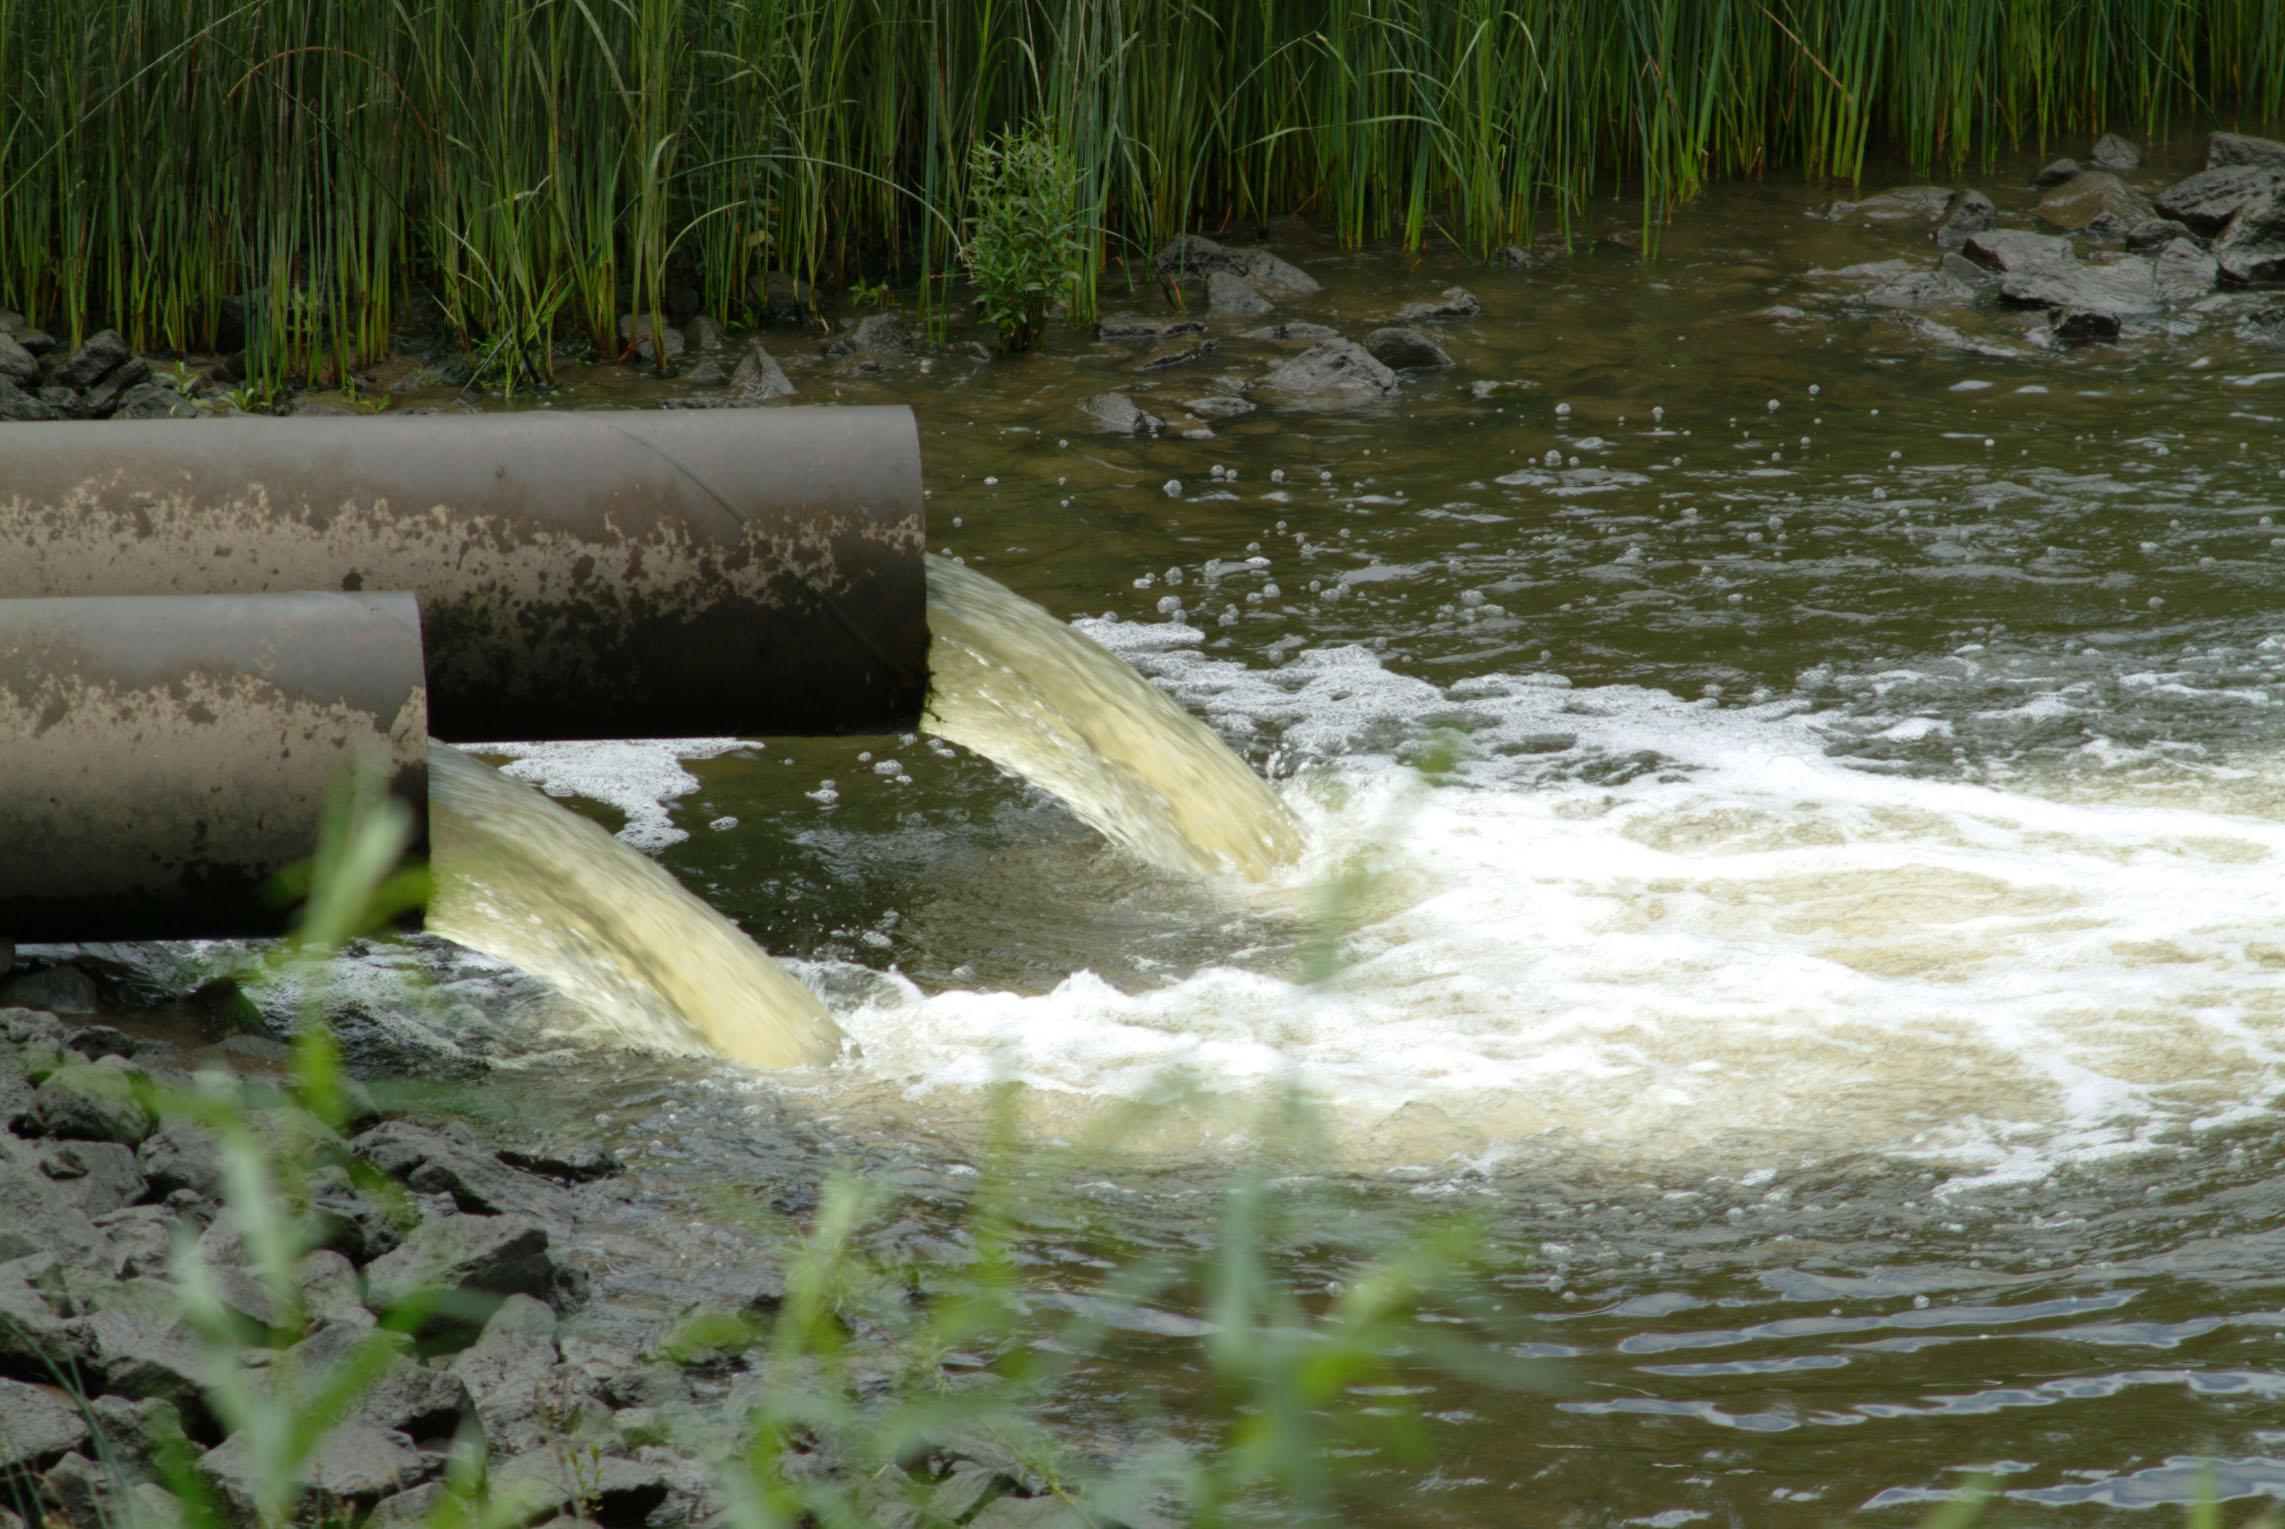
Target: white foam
[(638, 776), (1687, 935)]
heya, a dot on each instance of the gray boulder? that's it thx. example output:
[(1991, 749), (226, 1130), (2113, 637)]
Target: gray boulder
[(785, 299), (506, 1371), (1451, 303), (105, 352), (1294, 332), (98, 1176), (454, 1163), (60, 989), (95, 1101), (1193, 256), (464, 1256), (2096, 298), (2089, 195), (2155, 234), (37, 1428), (1178, 352), (150, 1355), (878, 337), (154, 400), (20, 407), (1406, 350), (1969, 212), (18, 365), (705, 333), (2183, 273), (2054, 173), (635, 331), (1337, 374), (1919, 292), (1229, 294), (1898, 204), (2207, 200), (2115, 153), (759, 378), (2252, 247), (1121, 415), (2244, 149), (354, 1465), (1131, 326), (2009, 252)]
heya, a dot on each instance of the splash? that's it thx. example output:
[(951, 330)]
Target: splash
[(532, 884), (1047, 704)]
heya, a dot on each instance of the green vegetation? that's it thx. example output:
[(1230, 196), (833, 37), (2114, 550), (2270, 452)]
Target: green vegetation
[(1022, 245), (295, 169)]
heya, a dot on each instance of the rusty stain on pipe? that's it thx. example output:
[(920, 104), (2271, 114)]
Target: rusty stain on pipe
[(580, 575), (161, 759)]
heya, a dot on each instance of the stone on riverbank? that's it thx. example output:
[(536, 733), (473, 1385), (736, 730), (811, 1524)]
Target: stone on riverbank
[(1898, 204), (2244, 149), (1132, 326), (1121, 415), (2113, 152), (59, 989), (1178, 352), (37, 1428), (1451, 303), (1918, 292), (759, 378), (2054, 173), (635, 331), (2251, 249), (2086, 197), (2183, 273), (1337, 374), (1194, 257), (878, 337), (1969, 212), (2155, 234), (1294, 332), (2207, 200)]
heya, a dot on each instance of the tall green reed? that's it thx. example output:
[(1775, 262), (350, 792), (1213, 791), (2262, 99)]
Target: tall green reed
[(544, 167)]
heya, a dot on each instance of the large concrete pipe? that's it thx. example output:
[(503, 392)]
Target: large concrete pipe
[(162, 759), (598, 575)]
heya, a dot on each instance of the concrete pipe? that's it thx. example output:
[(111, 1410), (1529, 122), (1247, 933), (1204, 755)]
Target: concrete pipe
[(597, 575), (162, 759)]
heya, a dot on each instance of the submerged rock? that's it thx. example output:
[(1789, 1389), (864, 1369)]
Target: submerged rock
[(785, 299), (2155, 234), (1218, 406), (1898, 204), (1193, 256), (635, 330), (1121, 415), (2252, 247), (1406, 350), (1337, 374), (1969, 212), (2099, 295), (1451, 303), (2054, 173), (2090, 195), (59, 989), (1920, 292), (1229, 294), (1179, 352), (1132, 326), (2007, 251), (1311, 333), (705, 333), (878, 337), (2207, 200), (2113, 152)]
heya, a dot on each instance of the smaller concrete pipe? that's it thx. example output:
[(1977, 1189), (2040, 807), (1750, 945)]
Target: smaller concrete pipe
[(161, 759), (603, 575)]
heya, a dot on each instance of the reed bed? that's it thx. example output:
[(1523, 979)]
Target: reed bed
[(539, 167)]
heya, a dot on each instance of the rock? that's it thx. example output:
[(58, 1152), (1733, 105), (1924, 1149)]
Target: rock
[(786, 299), (614, 1489), (1510, 257), (62, 989), (507, 1369), (2010, 252), (151, 1355), (95, 1101), (37, 1341), (2207, 200), (2243, 149), (1968, 212), (353, 1466), (20, 407), (705, 333), (1129, 326), (1179, 352), (94, 1041), (1452, 303), (1043, 1512), (352, 1221), (878, 337), (142, 1240), (410, 1398), (1919, 292), (1228, 294), (1334, 375), (181, 1155), (1192, 255), (18, 365), (1964, 271), (104, 397), (2252, 247), (572, 1162), (133, 1434), (453, 1162), (2112, 152), (2075, 324), (1121, 415), (1310, 333), (464, 1255), (2083, 198), (1898, 204), (1218, 406), (759, 378), (2154, 234), (706, 374), (99, 1176), (2183, 273), (963, 1494), (635, 332), (2055, 172), (104, 353), (1406, 349), (37, 1428), (2266, 327)]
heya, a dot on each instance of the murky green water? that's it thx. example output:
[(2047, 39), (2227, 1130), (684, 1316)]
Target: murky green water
[(1844, 961)]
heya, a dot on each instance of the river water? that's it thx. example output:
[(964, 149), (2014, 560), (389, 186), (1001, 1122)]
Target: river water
[(1794, 803)]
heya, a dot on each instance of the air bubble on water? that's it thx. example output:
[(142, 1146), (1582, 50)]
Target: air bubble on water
[(991, 482), (1170, 605), (1574, 461), (1277, 475), (1270, 591), (1325, 476), (1561, 410), (1772, 406), (1896, 456), (955, 522), (1554, 458), (2157, 602), (889, 767), (1658, 413), (1173, 575), (1215, 472), (723, 825), (1173, 488), (1814, 390)]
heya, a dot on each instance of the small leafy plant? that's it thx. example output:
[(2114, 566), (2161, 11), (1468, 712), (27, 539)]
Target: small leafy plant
[(1021, 242)]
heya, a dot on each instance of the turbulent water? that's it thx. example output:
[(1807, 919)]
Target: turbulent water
[(1808, 876), (529, 883), (1049, 706)]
